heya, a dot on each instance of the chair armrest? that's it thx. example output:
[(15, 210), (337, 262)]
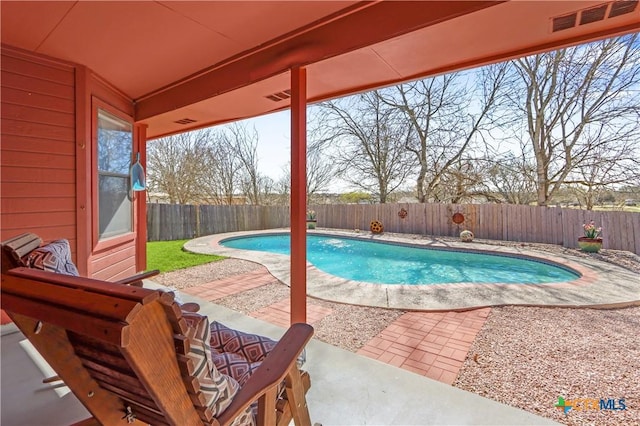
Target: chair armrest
[(271, 372), (132, 280)]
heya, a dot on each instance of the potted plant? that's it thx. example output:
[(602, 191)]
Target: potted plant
[(591, 242), (311, 219)]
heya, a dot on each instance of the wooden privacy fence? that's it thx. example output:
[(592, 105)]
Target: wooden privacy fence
[(176, 222), (552, 225)]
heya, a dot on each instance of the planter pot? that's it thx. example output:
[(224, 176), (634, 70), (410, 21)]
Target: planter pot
[(591, 245), (311, 223), (466, 236)]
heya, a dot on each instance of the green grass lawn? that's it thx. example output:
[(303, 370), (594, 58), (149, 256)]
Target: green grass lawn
[(168, 256)]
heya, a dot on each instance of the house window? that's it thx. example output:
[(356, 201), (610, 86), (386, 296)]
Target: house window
[(115, 144)]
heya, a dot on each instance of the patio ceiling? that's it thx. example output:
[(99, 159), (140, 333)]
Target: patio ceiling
[(194, 63)]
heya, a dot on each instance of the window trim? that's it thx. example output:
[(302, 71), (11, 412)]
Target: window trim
[(110, 242)]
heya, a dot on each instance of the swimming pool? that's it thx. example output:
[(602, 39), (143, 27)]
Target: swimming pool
[(387, 263)]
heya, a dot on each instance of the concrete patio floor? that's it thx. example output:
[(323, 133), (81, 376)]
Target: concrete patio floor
[(347, 388)]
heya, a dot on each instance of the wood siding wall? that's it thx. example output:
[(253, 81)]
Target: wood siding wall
[(38, 162), (46, 178), (551, 225)]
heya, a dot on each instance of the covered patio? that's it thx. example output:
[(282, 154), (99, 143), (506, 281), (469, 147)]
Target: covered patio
[(71, 70), (347, 389)]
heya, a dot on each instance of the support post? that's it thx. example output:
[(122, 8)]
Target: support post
[(141, 202), (298, 195)]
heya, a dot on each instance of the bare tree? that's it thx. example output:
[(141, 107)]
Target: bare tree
[(447, 114), (224, 177), (607, 166), (576, 101), (176, 166), (282, 187), (269, 192), (244, 145), (463, 181), (321, 172), (511, 179), (321, 169), (368, 142)]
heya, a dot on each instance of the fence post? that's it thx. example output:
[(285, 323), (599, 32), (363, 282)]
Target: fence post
[(197, 220)]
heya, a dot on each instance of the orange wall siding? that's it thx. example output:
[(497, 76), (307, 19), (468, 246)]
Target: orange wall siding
[(47, 180), (37, 152), (115, 264)]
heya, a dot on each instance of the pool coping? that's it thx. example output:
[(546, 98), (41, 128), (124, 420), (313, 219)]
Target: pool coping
[(601, 284)]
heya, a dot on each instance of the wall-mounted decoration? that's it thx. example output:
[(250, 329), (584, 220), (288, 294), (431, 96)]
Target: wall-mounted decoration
[(457, 218), (403, 213), (376, 227)]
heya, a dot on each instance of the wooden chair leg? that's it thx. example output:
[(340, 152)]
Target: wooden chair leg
[(267, 407), (295, 390)]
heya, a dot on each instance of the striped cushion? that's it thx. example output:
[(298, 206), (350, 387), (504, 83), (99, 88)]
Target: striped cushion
[(217, 389)]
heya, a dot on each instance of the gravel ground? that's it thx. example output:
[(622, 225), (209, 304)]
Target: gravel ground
[(349, 327), (528, 357), (525, 357), (190, 277)]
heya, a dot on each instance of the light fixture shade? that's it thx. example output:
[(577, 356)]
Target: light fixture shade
[(137, 176)]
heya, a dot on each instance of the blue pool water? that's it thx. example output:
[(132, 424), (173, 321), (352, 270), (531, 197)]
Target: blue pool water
[(383, 263)]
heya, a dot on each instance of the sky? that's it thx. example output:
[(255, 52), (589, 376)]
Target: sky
[(274, 146), (274, 133)]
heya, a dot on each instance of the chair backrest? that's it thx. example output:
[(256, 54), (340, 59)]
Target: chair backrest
[(14, 250), (27, 250), (113, 345), (121, 350)]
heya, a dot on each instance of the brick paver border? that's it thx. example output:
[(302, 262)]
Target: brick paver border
[(432, 344)]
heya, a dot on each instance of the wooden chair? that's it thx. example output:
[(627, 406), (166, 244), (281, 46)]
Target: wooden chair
[(16, 250), (121, 350)]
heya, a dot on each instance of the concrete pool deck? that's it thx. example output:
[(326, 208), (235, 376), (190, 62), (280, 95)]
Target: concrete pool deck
[(601, 284)]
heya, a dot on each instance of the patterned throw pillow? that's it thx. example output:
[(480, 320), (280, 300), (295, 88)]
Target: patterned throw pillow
[(218, 389), (253, 347), (53, 257), (235, 365)]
